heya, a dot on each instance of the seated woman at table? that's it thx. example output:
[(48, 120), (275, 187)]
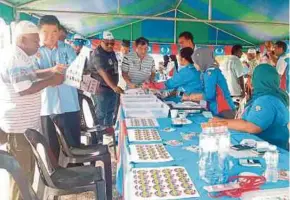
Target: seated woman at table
[(215, 88), (266, 114), (186, 80)]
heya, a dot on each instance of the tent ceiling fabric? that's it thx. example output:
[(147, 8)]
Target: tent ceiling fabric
[(164, 31)]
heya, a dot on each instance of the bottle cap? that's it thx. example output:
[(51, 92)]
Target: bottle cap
[(272, 148)]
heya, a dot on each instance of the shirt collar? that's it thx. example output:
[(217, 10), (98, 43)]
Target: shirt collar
[(183, 67), (234, 57), (20, 51), (139, 57), (283, 54)]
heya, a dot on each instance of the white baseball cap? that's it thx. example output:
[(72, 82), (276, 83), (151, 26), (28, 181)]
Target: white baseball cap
[(252, 51), (107, 35), (25, 27), (78, 37)]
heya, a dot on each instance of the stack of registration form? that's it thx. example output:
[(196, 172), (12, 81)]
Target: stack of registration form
[(143, 105)]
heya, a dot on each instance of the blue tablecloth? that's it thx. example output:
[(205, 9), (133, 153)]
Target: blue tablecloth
[(189, 159)]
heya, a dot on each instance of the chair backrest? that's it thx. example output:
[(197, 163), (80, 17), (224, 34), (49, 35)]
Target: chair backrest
[(45, 159), (85, 102), (63, 143), (11, 165)]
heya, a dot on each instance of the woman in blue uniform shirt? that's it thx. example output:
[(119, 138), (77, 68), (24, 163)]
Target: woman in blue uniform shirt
[(186, 80), (266, 114), (215, 88)]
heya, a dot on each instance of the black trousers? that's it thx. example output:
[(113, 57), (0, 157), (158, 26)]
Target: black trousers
[(69, 124)]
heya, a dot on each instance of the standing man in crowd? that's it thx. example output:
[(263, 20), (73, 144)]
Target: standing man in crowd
[(77, 43), (282, 66), (59, 104), (185, 39), (251, 61), (104, 66), (249, 64), (269, 54), (138, 66), (124, 51), (62, 33), (233, 71), (20, 100)]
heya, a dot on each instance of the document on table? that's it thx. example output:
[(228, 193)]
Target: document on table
[(143, 135), (149, 153), (141, 122), (161, 183), (270, 194)]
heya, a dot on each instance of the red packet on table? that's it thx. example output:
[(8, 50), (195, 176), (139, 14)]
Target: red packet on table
[(174, 143)]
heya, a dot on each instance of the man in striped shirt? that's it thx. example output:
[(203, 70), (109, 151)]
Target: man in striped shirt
[(20, 100), (138, 67)]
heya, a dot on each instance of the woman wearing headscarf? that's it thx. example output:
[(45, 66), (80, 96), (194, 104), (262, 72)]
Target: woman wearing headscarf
[(187, 79), (266, 114), (215, 88)]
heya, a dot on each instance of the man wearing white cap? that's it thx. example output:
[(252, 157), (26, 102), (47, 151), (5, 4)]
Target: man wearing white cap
[(77, 43), (251, 61), (104, 67), (20, 100)]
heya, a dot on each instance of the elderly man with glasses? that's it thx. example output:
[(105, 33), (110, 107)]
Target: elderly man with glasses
[(104, 66)]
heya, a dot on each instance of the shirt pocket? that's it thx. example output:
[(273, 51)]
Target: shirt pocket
[(146, 69)]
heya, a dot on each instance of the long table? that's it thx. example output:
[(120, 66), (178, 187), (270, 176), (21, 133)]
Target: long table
[(185, 158)]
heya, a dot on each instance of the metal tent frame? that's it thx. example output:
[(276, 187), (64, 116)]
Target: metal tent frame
[(20, 9)]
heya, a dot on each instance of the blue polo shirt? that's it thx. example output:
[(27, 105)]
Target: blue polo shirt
[(62, 98), (187, 80), (216, 92), (272, 116)]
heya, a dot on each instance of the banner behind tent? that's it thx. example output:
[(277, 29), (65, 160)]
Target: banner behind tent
[(168, 49), (164, 49)]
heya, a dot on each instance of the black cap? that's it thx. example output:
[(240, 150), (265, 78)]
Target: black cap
[(126, 43)]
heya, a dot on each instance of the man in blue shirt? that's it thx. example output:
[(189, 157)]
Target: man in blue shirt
[(59, 104)]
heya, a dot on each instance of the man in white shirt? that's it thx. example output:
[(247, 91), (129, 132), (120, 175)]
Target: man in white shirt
[(124, 51), (282, 66), (251, 61), (20, 100), (233, 71)]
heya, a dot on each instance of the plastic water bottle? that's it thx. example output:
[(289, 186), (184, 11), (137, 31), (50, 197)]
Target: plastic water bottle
[(272, 159), (224, 143), (209, 168)]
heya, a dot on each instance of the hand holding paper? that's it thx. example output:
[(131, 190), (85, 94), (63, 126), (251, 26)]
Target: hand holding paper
[(59, 68), (57, 79)]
